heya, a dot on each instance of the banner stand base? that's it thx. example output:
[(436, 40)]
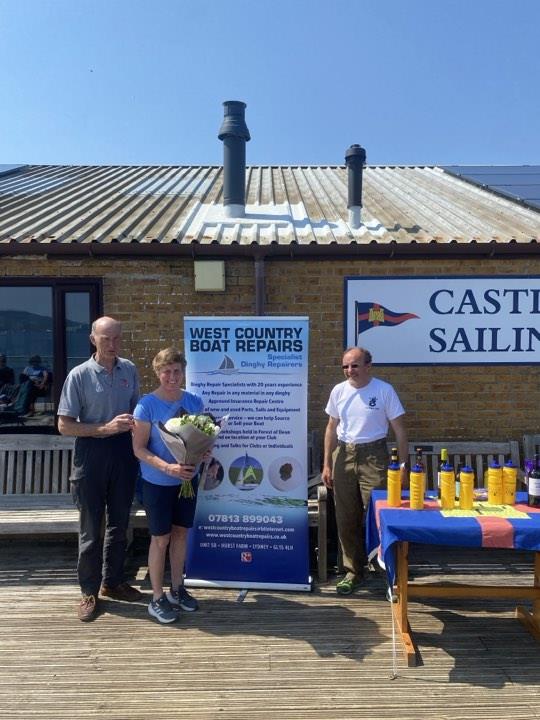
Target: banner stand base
[(245, 586)]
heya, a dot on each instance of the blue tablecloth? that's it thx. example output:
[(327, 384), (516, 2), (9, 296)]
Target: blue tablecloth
[(385, 526)]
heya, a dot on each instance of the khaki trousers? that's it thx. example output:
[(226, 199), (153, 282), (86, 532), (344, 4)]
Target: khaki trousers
[(357, 470)]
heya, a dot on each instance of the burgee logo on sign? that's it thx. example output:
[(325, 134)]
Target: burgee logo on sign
[(370, 315), (251, 523), (453, 320)]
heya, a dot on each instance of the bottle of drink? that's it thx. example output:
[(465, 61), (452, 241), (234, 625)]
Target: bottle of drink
[(419, 462), (416, 484), (393, 484), (448, 487), (495, 487), (533, 496), (458, 482), (444, 460), (509, 479), (466, 476), (419, 458)]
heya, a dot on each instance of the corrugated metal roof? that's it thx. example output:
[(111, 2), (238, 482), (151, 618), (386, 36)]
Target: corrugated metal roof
[(303, 205)]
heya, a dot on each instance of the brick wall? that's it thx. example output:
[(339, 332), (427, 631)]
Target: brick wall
[(151, 297), (442, 402)]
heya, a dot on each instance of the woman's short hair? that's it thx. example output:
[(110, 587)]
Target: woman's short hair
[(168, 357)]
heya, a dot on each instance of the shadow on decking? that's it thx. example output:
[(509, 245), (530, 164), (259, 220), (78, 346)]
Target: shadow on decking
[(329, 626), (475, 644)]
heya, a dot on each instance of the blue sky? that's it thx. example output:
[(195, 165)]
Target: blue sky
[(141, 82)]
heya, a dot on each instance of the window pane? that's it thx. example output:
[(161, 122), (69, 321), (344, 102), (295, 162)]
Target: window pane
[(77, 328), (26, 339)]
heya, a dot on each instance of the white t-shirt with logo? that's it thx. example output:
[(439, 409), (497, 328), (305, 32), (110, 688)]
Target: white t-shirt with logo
[(363, 413)]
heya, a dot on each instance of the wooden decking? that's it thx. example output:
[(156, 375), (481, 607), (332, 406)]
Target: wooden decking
[(274, 656)]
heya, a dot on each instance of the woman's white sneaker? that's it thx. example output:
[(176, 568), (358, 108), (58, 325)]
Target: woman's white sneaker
[(161, 609)]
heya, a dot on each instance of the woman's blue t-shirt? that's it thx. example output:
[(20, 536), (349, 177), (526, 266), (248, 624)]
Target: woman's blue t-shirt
[(152, 409)]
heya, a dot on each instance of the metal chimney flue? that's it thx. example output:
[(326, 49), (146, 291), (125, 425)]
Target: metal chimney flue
[(235, 134), (355, 158)]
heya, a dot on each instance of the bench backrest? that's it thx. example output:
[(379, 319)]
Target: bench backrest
[(476, 454), (31, 464), (531, 446)]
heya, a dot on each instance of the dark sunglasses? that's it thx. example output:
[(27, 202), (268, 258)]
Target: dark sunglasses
[(351, 365)]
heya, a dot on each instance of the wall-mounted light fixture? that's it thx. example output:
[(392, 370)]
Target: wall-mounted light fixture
[(209, 275)]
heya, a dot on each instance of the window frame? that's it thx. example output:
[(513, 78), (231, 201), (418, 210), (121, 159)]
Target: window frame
[(60, 286)]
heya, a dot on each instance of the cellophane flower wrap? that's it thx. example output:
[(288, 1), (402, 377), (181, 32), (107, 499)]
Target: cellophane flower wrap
[(188, 438)]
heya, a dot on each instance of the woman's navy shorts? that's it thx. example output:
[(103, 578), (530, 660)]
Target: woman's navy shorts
[(164, 508)]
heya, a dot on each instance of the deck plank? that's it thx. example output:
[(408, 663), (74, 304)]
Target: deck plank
[(276, 655)]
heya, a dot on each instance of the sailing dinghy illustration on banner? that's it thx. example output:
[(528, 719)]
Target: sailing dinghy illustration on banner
[(226, 367)]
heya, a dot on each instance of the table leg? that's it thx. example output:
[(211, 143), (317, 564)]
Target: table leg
[(401, 606), (532, 620)]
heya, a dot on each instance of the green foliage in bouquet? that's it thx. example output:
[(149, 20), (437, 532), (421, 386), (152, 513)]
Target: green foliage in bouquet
[(201, 422), (186, 489)]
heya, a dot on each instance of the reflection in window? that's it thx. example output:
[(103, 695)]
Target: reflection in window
[(77, 328), (26, 341), (44, 333), (26, 325)]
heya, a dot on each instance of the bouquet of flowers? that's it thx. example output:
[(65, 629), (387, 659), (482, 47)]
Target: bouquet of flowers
[(188, 438)]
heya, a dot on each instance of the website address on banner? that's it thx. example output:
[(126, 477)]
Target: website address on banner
[(246, 536), (246, 528)]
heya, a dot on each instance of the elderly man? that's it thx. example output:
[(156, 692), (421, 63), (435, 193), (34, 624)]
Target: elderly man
[(355, 453), (96, 407)]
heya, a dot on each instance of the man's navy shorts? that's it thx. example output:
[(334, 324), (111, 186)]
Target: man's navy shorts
[(164, 508)]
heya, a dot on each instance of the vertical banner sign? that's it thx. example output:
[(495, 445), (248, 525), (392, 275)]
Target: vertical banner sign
[(251, 524)]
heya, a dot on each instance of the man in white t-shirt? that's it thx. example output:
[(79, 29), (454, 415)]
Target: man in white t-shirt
[(360, 410)]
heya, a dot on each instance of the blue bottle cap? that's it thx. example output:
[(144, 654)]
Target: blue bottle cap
[(466, 469)]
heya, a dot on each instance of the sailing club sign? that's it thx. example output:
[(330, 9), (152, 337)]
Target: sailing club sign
[(445, 320)]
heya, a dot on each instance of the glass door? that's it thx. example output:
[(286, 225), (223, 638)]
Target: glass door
[(44, 332)]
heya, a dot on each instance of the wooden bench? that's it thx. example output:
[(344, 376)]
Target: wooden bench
[(531, 446), (476, 454), (35, 497)]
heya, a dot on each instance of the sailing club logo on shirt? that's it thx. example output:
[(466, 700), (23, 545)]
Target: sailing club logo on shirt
[(372, 402), (369, 315), (246, 557)]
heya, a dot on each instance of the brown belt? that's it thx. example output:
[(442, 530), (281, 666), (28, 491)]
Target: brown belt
[(352, 446)]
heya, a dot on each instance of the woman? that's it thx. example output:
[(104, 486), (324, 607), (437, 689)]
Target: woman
[(169, 516)]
